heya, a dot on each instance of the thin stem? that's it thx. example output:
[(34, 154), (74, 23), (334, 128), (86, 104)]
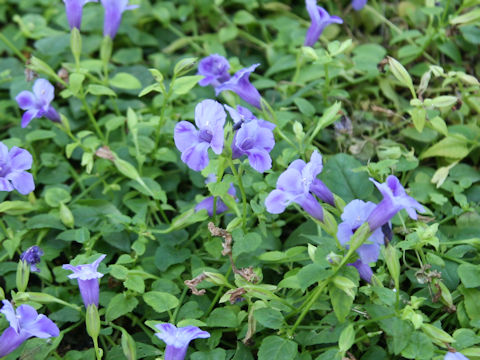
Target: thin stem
[(90, 116), (242, 191), (13, 48)]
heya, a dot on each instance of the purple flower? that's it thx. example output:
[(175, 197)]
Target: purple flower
[(454, 356), (24, 324), (296, 184), (207, 203), (13, 164), (32, 257), (358, 4), (242, 115), (240, 84), (394, 199), (256, 142), (113, 15), (74, 10), (354, 215), (177, 339), (194, 144), (37, 103), (87, 277), (320, 20), (215, 69)]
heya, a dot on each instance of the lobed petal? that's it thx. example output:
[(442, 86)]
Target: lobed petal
[(25, 100), (196, 156)]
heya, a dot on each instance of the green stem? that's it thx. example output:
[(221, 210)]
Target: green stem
[(13, 48), (90, 116), (242, 191)]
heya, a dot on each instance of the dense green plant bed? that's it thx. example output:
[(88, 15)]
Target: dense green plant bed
[(239, 179)]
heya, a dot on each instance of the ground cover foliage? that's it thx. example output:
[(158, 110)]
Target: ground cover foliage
[(262, 263)]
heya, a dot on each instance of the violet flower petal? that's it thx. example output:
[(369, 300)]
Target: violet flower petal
[(394, 199), (196, 156), (454, 356), (178, 339), (320, 20), (185, 135), (358, 4), (364, 270), (240, 84), (113, 15), (87, 277), (215, 69)]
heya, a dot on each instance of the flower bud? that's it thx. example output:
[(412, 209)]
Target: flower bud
[(23, 274), (93, 321), (128, 346)]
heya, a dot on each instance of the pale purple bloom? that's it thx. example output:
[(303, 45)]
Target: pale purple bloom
[(177, 339), (240, 84), (358, 4), (296, 184), (207, 203), (242, 115), (256, 142), (320, 20), (194, 144), (32, 256), (454, 356), (215, 69), (13, 164), (113, 15), (37, 103), (354, 215), (87, 277), (24, 324), (394, 199), (74, 9)]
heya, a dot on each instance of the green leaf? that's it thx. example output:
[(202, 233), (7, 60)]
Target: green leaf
[(39, 134), (270, 318), (160, 301), (340, 178), (310, 274), (341, 303), (347, 338), (81, 235), (99, 90), (223, 317), (16, 207), (400, 73), (275, 347), (125, 81), (246, 243), (449, 147), (469, 275), (215, 354), (44, 221), (56, 196), (120, 305), (184, 84)]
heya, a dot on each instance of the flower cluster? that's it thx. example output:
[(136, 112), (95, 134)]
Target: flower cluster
[(113, 14), (25, 323)]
